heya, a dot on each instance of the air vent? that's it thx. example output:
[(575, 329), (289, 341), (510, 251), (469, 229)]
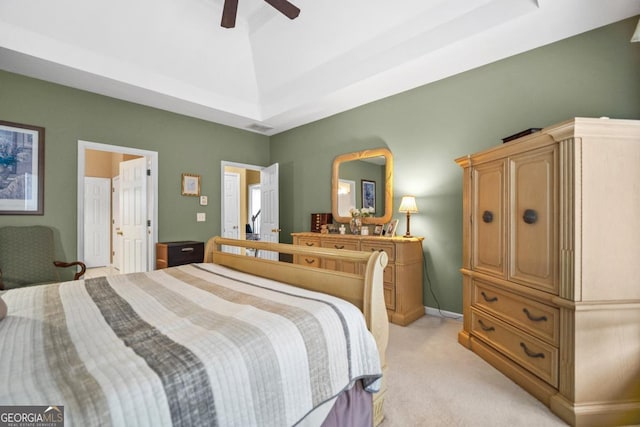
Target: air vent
[(259, 128)]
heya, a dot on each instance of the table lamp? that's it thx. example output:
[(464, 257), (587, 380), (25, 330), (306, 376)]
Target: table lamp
[(408, 205)]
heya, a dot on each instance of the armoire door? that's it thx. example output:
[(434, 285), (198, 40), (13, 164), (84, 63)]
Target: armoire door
[(488, 218), (534, 219)]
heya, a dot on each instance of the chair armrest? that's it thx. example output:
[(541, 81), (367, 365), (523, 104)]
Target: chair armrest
[(78, 274)]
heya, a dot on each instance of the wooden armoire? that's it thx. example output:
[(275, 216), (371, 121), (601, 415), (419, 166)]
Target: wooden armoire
[(551, 266)]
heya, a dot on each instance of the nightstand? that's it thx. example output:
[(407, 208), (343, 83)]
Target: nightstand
[(170, 254)]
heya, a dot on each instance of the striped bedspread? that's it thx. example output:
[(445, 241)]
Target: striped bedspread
[(185, 346)]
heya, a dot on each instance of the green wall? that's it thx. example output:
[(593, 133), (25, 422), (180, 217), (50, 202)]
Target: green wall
[(183, 144), (594, 74)]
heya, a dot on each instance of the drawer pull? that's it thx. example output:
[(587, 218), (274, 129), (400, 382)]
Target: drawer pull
[(187, 249), (487, 216), (485, 327), (531, 353), (338, 246), (542, 318), (309, 261), (309, 244), (487, 299), (530, 216), (379, 250)]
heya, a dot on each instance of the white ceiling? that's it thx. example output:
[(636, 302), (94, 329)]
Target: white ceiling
[(269, 70)]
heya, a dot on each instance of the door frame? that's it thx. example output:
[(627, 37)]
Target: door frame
[(152, 193)]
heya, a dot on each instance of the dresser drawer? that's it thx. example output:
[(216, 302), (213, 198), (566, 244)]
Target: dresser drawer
[(352, 245), (390, 296), (536, 356), (536, 318), (388, 274), (308, 241), (337, 264), (309, 261), (389, 248)]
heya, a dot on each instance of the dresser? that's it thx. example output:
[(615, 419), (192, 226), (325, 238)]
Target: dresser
[(402, 276), (171, 254), (551, 270)]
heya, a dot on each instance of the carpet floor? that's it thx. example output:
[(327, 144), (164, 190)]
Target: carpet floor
[(434, 381)]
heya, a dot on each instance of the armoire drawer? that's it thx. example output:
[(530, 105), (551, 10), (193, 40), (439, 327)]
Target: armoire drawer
[(536, 318), (536, 356)]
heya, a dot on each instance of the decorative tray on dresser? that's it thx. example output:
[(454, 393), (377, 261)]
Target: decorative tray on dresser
[(551, 243), (402, 276)]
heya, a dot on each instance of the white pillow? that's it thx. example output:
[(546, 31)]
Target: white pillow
[(3, 309)]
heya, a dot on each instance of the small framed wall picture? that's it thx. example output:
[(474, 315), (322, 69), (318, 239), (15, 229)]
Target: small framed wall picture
[(377, 231), (390, 229), (21, 169), (190, 185), (368, 194)]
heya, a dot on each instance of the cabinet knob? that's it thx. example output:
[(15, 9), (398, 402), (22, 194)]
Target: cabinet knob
[(530, 216), (487, 216)]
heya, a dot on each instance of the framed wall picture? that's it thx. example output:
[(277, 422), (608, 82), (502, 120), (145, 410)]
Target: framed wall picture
[(390, 229), (21, 169), (368, 194), (190, 185)]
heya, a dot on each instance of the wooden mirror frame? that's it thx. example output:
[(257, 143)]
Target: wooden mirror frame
[(388, 195)]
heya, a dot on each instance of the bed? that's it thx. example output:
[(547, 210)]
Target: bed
[(233, 341)]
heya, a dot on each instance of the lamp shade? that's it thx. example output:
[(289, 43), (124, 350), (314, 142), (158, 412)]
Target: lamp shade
[(408, 204), (636, 34)]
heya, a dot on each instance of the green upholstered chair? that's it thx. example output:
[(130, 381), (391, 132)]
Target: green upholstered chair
[(27, 257)]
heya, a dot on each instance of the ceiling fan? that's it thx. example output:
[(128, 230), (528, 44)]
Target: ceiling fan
[(231, 8)]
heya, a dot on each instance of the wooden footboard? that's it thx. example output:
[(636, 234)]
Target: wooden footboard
[(364, 290)]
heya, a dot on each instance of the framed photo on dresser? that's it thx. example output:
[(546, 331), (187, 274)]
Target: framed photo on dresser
[(390, 229)]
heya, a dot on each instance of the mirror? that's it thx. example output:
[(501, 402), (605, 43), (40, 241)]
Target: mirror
[(368, 173)]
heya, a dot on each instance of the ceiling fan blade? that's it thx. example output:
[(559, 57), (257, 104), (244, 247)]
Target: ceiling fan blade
[(286, 8), (229, 13)]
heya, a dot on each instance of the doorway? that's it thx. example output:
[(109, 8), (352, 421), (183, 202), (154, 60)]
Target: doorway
[(143, 258), (249, 203)]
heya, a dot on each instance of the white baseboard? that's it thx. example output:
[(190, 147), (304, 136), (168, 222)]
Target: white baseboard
[(430, 311)]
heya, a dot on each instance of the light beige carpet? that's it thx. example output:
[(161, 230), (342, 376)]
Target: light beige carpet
[(434, 381)]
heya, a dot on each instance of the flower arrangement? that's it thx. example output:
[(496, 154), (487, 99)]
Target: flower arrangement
[(362, 213)]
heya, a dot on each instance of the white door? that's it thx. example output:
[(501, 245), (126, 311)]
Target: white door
[(269, 215), (133, 215), (231, 211), (97, 209), (115, 226)]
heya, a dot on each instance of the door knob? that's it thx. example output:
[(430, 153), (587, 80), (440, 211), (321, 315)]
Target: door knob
[(119, 233), (276, 230)]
